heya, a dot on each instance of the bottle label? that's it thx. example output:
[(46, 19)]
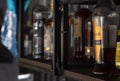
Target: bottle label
[(38, 36), (77, 27), (117, 59), (78, 30), (97, 39), (37, 45), (118, 51)]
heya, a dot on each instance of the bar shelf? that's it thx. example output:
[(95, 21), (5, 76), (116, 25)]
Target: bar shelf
[(85, 1), (81, 74)]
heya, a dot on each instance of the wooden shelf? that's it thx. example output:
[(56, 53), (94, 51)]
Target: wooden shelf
[(117, 2), (79, 1), (83, 74), (81, 77), (34, 65)]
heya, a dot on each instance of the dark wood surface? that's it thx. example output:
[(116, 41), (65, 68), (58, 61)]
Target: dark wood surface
[(83, 73)]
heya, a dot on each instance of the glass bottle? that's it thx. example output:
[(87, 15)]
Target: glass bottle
[(72, 41), (40, 14), (48, 34), (105, 22), (89, 52), (26, 45), (117, 59), (80, 17), (48, 39)]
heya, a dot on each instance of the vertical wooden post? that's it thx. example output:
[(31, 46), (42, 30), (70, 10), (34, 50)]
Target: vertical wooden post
[(57, 66)]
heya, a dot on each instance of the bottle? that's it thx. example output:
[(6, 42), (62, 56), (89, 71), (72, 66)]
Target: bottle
[(89, 53), (48, 40), (48, 34), (76, 49), (117, 60), (40, 14), (26, 45), (72, 41), (105, 22), (80, 16)]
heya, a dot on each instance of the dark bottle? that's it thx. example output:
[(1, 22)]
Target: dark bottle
[(105, 22), (72, 41), (40, 14), (76, 50), (80, 17)]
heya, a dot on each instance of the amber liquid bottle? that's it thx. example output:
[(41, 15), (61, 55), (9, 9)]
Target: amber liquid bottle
[(105, 23), (80, 17)]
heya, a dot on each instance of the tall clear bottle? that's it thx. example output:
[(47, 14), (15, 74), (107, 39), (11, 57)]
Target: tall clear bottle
[(48, 34), (40, 14), (105, 22), (48, 39)]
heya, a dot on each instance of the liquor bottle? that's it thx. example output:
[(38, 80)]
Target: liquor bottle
[(76, 50), (89, 53), (40, 14), (27, 41), (72, 41), (26, 45), (48, 39), (81, 15), (117, 60), (48, 34), (105, 22)]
